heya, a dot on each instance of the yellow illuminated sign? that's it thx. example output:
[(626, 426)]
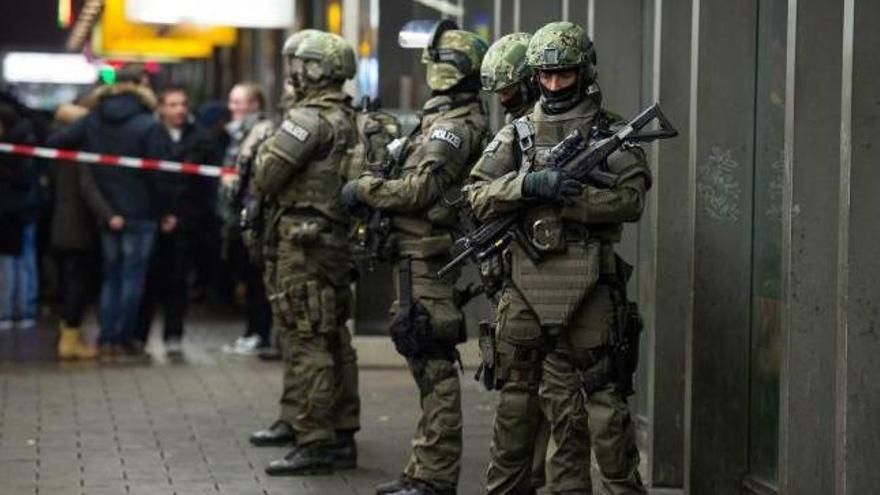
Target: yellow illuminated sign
[(119, 37), (334, 18)]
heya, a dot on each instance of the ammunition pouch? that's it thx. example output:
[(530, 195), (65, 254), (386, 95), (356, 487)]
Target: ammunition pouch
[(518, 363), (310, 308)]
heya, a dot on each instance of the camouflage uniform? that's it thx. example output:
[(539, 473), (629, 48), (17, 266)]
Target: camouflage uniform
[(424, 201), (505, 71), (299, 168), (554, 319)]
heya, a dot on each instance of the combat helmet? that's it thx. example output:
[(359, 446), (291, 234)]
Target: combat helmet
[(561, 46), (288, 51), (324, 59), (504, 67), (450, 54)]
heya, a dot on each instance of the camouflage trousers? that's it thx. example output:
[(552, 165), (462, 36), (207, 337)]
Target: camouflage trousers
[(437, 441), (320, 384), (541, 376)]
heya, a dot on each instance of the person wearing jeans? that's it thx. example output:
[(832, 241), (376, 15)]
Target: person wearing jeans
[(126, 258), (125, 202), (18, 266), (18, 283)]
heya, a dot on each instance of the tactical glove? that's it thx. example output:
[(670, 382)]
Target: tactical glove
[(550, 184), (349, 195)]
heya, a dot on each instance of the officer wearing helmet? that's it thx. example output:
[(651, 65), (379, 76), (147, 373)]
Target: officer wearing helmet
[(555, 319), (505, 73), (423, 200), (281, 432), (299, 168)]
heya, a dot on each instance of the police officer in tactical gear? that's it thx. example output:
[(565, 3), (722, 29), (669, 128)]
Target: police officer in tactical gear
[(506, 73), (300, 170), (556, 319), (423, 199)]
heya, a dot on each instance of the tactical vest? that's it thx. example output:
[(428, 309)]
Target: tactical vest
[(429, 233), (318, 186), (573, 255)]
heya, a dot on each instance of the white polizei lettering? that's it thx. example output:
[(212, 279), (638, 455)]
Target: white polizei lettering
[(295, 130), (447, 136)]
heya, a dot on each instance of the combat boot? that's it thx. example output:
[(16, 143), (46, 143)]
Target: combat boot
[(71, 345), (279, 434), (418, 487), (302, 461), (345, 454), (401, 483)]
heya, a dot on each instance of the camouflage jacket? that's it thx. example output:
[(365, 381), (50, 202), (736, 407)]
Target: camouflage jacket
[(302, 165), (425, 195)]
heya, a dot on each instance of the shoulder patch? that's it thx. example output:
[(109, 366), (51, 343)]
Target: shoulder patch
[(493, 146), (295, 130), (447, 136)]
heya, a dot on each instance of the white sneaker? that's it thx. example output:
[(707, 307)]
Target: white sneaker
[(244, 346), (6, 325)]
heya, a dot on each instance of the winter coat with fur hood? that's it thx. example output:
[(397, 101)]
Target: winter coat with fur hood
[(119, 124)]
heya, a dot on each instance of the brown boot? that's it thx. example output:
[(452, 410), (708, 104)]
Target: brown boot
[(71, 345)]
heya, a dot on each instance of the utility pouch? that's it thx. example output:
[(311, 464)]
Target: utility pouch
[(282, 309), (298, 300), (328, 310), (486, 371)]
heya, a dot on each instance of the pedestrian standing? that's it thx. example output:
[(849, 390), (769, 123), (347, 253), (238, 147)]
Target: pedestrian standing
[(187, 204), (124, 201), (18, 263), (248, 128), (74, 244)]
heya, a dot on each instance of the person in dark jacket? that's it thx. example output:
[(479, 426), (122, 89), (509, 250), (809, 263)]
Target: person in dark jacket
[(124, 201), (73, 241), (187, 197), (18, 265)]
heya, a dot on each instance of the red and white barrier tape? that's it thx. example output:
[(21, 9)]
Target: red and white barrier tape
[(122, 161)]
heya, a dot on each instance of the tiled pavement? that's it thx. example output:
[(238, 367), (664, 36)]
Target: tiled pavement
[(181, 428)]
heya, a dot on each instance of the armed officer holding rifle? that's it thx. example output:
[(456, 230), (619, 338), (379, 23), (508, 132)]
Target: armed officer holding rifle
[(422, 198), (563, 319)]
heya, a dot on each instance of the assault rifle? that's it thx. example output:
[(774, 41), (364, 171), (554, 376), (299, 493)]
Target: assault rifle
[(582, 157), (373, 229)]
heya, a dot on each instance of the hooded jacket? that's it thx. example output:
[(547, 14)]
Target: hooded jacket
[(119, 124)]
